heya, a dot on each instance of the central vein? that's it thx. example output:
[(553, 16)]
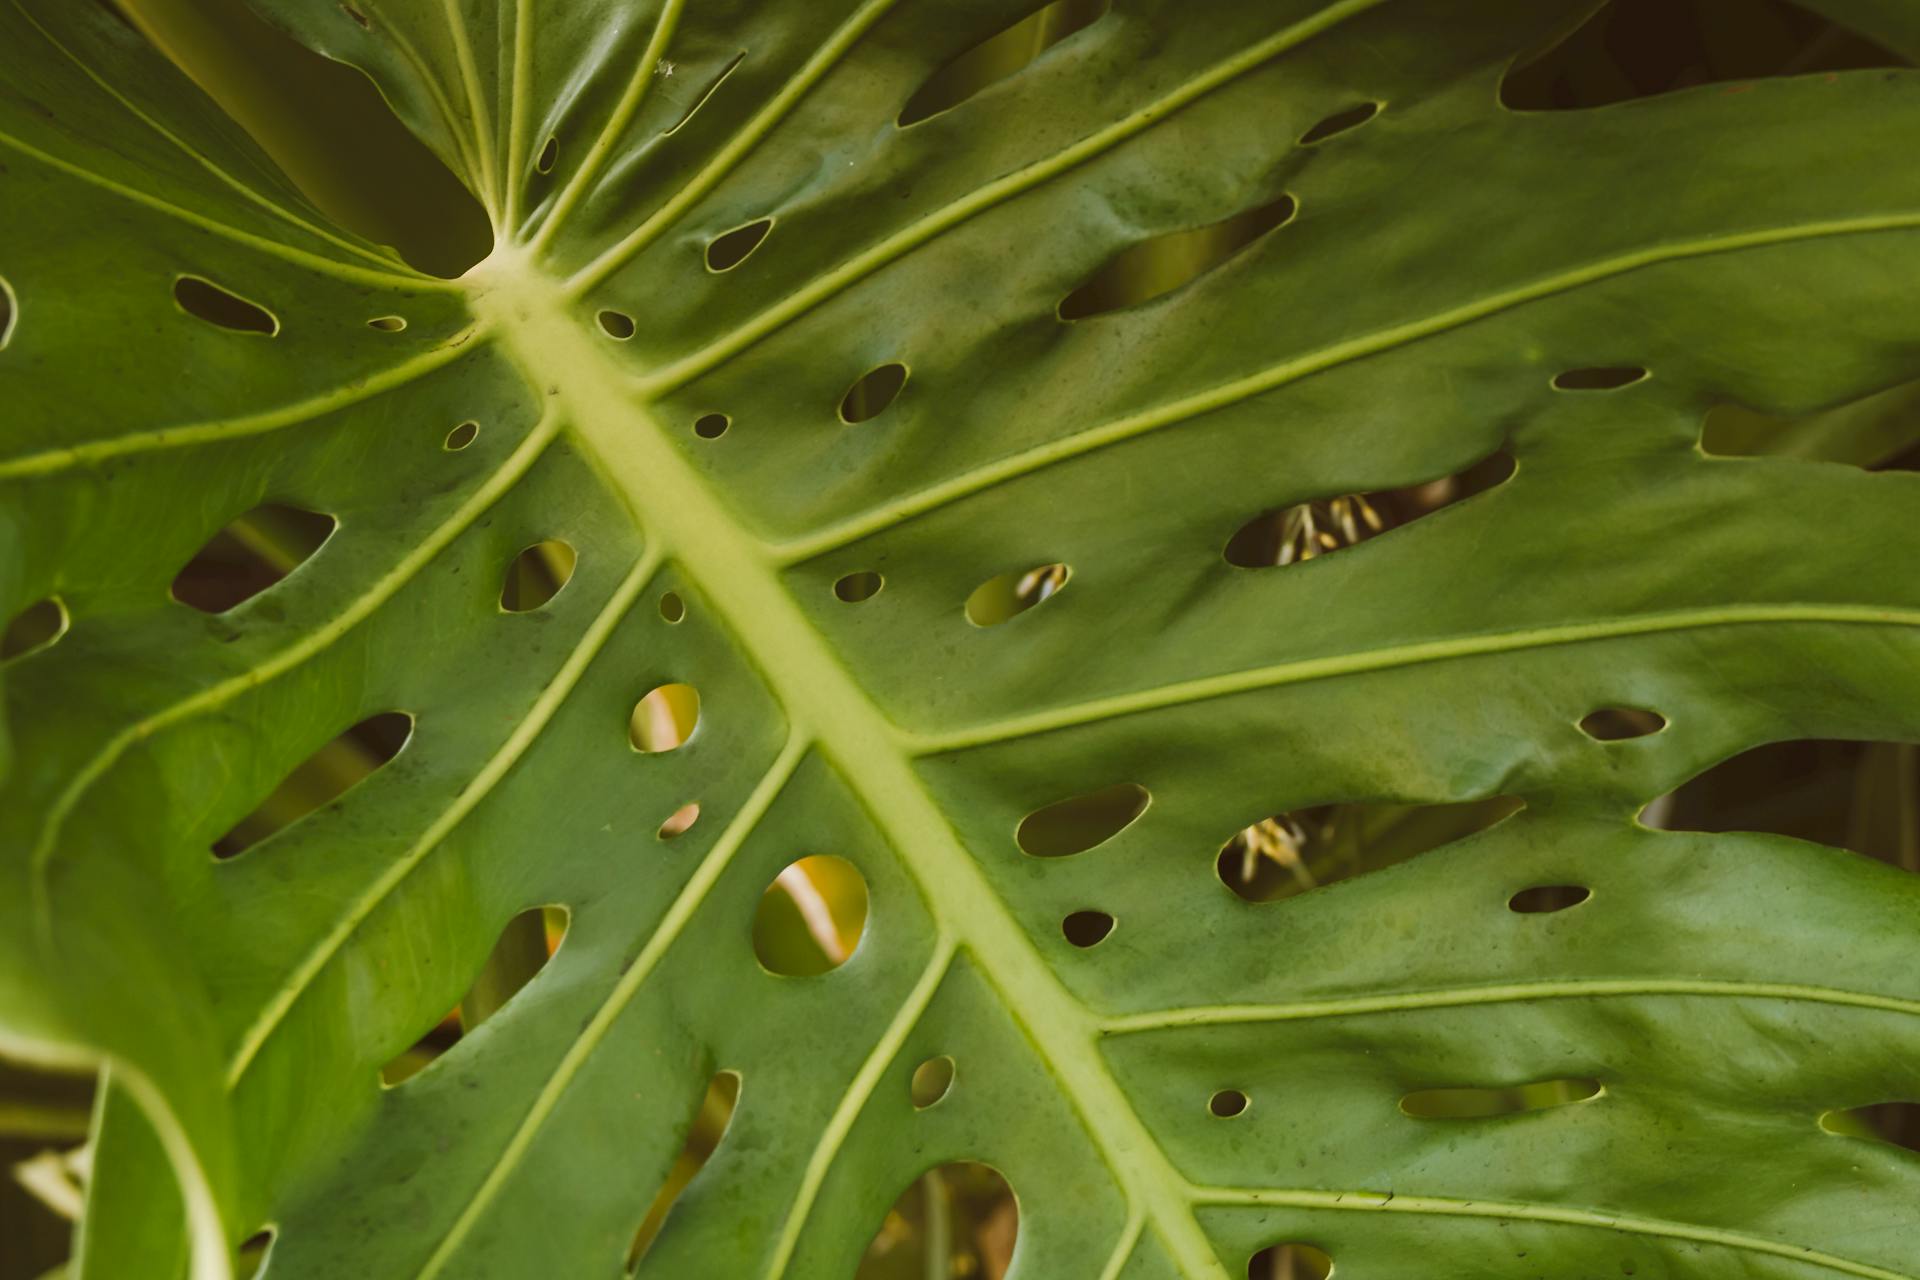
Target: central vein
[(687, 521)]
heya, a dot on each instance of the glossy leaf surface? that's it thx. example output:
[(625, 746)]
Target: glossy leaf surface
[(1444, 262)]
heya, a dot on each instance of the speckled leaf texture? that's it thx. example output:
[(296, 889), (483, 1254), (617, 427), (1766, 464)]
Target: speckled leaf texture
[(1446, 260)]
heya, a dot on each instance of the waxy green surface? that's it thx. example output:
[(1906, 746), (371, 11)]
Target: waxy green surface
[(1756, 244)]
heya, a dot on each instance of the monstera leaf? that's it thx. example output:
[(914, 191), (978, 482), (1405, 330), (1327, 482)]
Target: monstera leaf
[(924, 434)]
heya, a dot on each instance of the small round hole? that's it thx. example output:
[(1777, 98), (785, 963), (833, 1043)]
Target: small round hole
[(1227, 1103), (1544, 899), (811, 918), (672, 607), (34, 629), (1620, 724), (617, 325), (1006, 597), (664, 719), (1087, 928), (543, 163), (461, 436), (536, 576), (388, 324), (711, 426), (855, 587), (931, 1081), (678, 823)]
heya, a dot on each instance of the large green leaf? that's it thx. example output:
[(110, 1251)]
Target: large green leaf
[(1446, 261)]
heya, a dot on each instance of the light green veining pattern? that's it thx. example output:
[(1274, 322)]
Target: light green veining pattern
[(1449, 259)]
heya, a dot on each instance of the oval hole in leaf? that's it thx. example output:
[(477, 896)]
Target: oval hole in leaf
[(1000, 56), (1897, 1123), (1600, 379), (1289, 853), (320, 779), (672, 607), (1307, 530), (1156, 267), (701, 101), (1620, 724), (1227, 1103), (536, 576), (855, 587), (1545, 899), (460, 437), (711, 426), (1006, 597), (811, 918), (679, 822), (205, 300), (731, 248), (704, 1135), (1468, 1103), (664, 719), (249, 555), (421, 1054), (968, 1205), (1850, 795), (543, 163), (36, 628), (9, 313), (617, 325), (931, 1081), (254, 1253), (1075, 825), (1087, 928), (388, 324), (1875, 432), (1290, 1261), (522, 950), (873, 393), (1339, 122)]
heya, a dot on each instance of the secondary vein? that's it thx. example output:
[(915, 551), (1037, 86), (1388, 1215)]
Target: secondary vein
[(1510, 993)]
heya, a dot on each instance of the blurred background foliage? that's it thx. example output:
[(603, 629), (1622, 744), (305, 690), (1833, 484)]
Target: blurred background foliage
[(328, 129)]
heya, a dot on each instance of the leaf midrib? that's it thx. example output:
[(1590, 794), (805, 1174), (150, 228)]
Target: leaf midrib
[(686, 522)]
